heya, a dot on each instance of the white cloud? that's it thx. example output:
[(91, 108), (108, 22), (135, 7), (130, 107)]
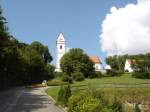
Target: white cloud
[(127, 30)]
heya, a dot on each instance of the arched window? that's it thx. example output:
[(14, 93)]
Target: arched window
[(60, 46)]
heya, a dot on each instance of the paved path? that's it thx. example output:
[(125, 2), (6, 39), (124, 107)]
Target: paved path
[(26, 100)]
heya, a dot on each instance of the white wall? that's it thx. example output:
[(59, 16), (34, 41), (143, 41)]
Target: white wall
[(128, 67), (98, 67)]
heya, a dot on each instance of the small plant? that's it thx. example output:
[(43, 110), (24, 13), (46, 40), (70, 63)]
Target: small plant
[(84, 103), (117, 105), (137, 109), (63, 95)]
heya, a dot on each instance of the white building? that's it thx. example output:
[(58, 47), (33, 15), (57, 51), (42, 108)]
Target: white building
[(128, 65), (60, 50), (107, 67), (97, 63)]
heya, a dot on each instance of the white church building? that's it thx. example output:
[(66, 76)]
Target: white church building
[(61, 49)]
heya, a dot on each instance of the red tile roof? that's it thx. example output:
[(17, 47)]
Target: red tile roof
[(95, 59)]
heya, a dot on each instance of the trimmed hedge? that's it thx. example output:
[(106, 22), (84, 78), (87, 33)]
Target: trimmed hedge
[(56, 83)]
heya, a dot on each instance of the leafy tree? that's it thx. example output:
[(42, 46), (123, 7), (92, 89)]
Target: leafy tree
[(37, 70), (117, 62), (22, 63), (42, 51), (77, 61)]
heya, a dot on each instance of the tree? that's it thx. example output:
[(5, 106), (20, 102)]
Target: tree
[(77, 61), (42, 51), (21, 63), (117, 62), (37, 68)]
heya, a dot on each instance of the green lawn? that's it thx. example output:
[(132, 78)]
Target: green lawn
[(124, 79), (108, 83)]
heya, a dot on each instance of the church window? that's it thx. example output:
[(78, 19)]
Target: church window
[(61, 47)]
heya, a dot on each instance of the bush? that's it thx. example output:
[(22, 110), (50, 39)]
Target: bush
[(113, 72), (78, 76), (106, 110), (137, 109), (83, 103), (117, 105), (141, 75), (56, 83), (63, 95), (97, 74)]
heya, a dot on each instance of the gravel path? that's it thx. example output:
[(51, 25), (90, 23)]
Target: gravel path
[(26, 100)]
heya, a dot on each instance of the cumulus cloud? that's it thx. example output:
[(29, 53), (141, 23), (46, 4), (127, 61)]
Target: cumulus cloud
[(127, 30)]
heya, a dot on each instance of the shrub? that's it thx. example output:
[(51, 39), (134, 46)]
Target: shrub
[(78, 76), (84, 103), (63, 95), (106, 110), (56, 83), (137, 109), (141, 75), (73, 102), (97, 74), (117, 105), (114, 72)]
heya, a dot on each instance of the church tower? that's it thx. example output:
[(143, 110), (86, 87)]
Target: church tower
[(60, 50)]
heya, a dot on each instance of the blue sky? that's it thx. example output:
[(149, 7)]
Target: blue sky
[(42, 20)]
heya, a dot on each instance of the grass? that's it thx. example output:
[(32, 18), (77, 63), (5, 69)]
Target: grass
[(126, 80), (53, 91)]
